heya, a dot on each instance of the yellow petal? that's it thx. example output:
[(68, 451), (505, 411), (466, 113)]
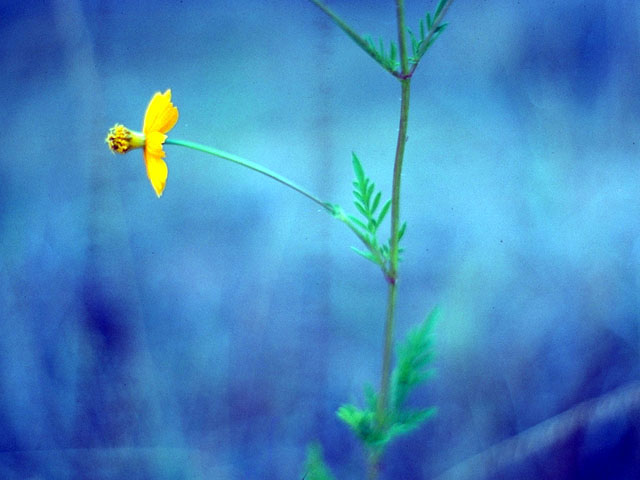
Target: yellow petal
[(161, 115), (153, 144), (157, 172), (153, 159)]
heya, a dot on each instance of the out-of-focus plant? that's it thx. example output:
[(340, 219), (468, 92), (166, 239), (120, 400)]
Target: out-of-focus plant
[(385, 415)]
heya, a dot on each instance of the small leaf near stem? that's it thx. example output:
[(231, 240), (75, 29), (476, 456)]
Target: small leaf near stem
[(434, 29), (364, 43), (367, 201)]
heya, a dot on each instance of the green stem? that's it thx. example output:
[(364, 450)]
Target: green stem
[(374, 466), (251, 165), (402, 39), (385, 381), (361, 42)]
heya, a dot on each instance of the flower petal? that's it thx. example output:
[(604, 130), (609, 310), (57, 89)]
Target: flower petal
[(157, 172), (153, 144), (161, 115)]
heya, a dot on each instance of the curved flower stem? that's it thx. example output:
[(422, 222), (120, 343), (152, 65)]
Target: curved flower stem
[(251, 165)]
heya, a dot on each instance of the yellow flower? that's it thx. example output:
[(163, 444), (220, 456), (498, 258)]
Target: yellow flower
[(159, 118)]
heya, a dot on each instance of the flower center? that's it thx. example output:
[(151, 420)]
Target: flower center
[(120, 139)]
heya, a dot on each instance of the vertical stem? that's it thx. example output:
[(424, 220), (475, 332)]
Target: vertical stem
[(374, 466), (383, 401), (402, 39), (405, 81)]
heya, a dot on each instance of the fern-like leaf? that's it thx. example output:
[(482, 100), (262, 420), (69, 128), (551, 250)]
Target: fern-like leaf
[(428, 34), (401, 230), (439, 8), (362, 422), (414, 356), (367, 202), (315, 466)]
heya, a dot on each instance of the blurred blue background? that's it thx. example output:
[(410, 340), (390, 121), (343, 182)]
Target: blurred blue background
[(212, 333)]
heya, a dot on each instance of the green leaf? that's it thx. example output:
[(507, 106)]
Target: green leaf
[(401, 230), (315, 467), (357, 168), (367, 201), (438, 31), (368, 255), (338, 212), (410, 421), (370, 192), (351, 415), (383, 212), (364, 425), (362, 209), (440, 28), (369, 41), (357, 222), (372, 397), (436, 34), (362, 422), (433, 39), (413, 357), (376, 202), (414, 41), (439, 8)]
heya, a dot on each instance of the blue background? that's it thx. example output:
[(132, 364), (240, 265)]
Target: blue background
[(212, 333)]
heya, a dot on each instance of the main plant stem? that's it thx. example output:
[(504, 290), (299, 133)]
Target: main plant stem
[(393, 267), (251, 165), (392, 277)]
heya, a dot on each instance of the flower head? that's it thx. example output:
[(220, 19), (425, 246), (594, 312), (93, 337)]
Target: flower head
[(160, 117)]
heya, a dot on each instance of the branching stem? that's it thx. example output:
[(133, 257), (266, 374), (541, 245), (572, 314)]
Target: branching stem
[(360, 41), (403, 73), (385, 380)]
